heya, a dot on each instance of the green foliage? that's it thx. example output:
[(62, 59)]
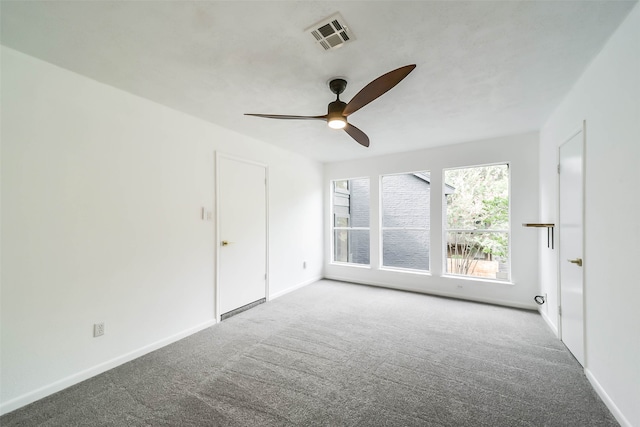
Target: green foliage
[(480, 202), (495, 213)]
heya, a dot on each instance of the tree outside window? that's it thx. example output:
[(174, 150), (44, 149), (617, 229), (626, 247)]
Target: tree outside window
[(477, 221)]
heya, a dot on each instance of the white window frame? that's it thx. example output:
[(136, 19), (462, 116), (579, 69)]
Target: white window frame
[(382, 228), (334, 228), (445, 230)]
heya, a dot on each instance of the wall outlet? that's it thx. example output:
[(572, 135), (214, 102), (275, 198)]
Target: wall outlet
[(98, 329), (304, 264)]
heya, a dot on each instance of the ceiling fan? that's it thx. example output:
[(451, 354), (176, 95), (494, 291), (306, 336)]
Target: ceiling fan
[(338, 111)]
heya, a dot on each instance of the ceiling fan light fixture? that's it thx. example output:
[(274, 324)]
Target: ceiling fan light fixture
[(335, 118), (337, 122)]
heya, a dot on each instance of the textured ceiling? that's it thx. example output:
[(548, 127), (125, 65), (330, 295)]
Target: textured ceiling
[(483, 68)]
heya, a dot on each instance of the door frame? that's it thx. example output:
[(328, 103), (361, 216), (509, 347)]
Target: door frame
[(581, 129), (218, 157)]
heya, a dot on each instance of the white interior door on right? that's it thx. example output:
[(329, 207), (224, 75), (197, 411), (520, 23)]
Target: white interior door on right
[(571, 280)]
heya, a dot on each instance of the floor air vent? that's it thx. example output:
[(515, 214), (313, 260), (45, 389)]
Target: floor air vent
[(331, 33), (241, 309)]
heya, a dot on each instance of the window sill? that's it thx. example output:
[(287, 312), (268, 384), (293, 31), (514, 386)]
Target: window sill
[(406, 270), (348, 264), (478, 279)]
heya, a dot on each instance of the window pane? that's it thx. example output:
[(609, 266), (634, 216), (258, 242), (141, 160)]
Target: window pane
[(351, 210), (351, 246), (405, 249), (342, 185), (478, 254), (406, 204), (406, 200), (477, 198), (359, 202), (340, 221)]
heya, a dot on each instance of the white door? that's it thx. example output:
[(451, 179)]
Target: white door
[(242, 233), (571, 245)]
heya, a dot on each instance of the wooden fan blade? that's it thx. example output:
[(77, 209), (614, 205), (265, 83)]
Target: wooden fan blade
[(276, 116), (355, 133), (377, 88)]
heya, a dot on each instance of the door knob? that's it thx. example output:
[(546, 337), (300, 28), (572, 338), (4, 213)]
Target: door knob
[(225, 243), (576, 261)]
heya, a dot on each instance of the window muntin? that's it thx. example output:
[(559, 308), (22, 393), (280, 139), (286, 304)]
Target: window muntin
[(405, 210), (476, 223), (350, 225)]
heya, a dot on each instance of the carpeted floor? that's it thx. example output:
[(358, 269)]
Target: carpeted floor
[(336, 354)]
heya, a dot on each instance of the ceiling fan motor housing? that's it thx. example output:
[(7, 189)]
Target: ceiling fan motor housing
[(335, 119), (335, 109)]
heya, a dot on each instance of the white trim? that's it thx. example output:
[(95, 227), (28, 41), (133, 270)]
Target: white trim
[(619, 416), (266, 231), (353, 228), (295, 287), (585, 258), (405, 270), (405, 228), (551, 326), (512, 304), (216, 233), (216, 243), (240, 159), (475, 230), (78, 377), (218, 156), (477, 279), (350, 264), (581, 128), (574, 133)]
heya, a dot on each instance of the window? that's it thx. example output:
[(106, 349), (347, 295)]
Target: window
[(351, 221), (477, 221), (405, 220)]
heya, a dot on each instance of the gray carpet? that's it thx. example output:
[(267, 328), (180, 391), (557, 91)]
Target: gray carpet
[(336, 354)]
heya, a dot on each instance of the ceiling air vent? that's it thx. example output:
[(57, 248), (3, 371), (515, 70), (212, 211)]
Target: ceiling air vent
[(331, 33)]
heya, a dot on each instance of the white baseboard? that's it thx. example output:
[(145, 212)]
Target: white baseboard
[(550, 324), (56, 386), (624, 422), (295, 287), (434, 293)]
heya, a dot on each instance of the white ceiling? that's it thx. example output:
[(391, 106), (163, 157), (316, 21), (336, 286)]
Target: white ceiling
[(484, 68)]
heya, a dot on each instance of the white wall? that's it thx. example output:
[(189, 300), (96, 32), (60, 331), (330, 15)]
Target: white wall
[(101, 199), (607, 96), (519, 150)]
